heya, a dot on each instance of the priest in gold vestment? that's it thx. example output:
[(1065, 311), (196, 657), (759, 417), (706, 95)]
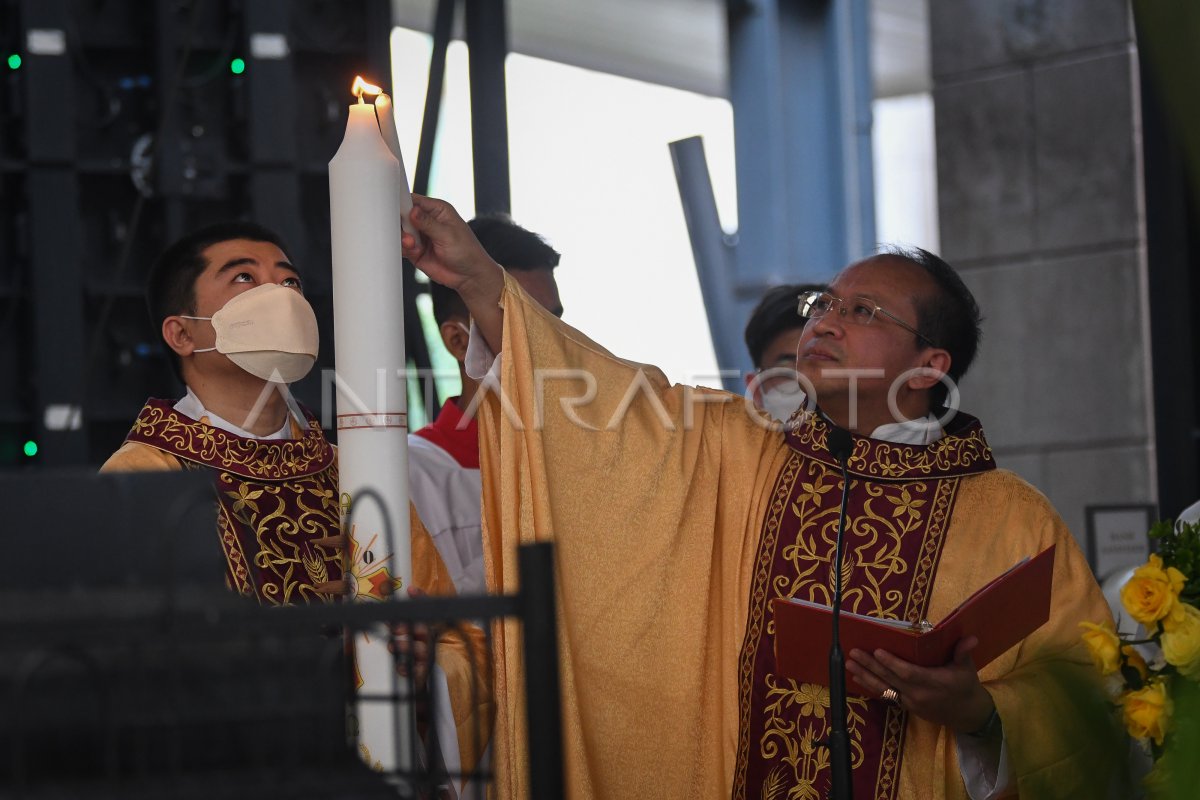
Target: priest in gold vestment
[(678, 514)]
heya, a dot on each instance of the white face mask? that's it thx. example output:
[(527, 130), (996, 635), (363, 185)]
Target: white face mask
[(782, 400), (270, 331)]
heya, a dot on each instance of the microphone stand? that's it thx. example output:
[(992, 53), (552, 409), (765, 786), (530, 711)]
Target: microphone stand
[(840, 444)]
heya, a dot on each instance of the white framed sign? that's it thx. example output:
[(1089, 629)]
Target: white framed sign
[(1117, 536)]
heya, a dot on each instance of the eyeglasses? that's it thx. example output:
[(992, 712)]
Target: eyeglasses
[(859, 311)]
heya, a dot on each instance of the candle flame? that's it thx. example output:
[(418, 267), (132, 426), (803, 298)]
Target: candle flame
[(361, 87)]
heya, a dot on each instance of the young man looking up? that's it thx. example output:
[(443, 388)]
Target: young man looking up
[(230, 304)]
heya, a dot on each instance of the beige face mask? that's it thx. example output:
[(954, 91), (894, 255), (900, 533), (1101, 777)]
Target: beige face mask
[(270, 331)]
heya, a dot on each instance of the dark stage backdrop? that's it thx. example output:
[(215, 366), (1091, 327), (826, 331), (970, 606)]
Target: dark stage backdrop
[(126, 123)]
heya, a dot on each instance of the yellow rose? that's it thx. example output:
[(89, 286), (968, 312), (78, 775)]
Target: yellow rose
[(1181, 642), (1134, 659), (1152, 593), (1147, 711), (1103, 644)]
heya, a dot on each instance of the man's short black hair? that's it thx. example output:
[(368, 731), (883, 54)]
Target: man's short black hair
[(950, 317), (775, 313), (171, 287), (509, 245)]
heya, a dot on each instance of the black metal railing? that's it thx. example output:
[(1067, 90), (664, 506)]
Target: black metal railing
[(171, 686)]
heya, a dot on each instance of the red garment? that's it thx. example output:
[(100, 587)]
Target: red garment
[(454, 434)]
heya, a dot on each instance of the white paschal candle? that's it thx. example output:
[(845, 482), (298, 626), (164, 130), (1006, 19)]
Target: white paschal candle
[(387, 127), (368, 308)]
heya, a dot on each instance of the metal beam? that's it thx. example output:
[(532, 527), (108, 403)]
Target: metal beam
[(543, 699), (274, 179), (712, 250), (1173, 259), (800, 83), (443, 26), (487, 43), (56, 258), (414, 334)]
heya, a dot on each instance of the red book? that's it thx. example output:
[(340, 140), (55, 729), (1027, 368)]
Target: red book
[(1000, 614)]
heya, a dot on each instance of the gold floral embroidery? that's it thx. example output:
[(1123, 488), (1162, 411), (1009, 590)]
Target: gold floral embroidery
[(282, 525), (963, 452), (205, 436), (275, 497), (159, 425), (894, 539), (813, 700), (905, 504), (803, 755), (244, 498), (811, 494), (755, 623)]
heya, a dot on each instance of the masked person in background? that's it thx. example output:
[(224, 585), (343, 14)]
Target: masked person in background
[(230, 304), (773, 337), (443, 457)]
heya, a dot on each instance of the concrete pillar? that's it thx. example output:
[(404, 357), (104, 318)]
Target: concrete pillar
[(1039, 175)]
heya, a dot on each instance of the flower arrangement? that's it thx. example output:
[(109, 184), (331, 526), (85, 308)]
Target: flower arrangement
[(1163, 595)]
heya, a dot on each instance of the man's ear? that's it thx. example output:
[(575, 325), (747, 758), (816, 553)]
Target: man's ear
[(177, 336), (935, 363), (757, 392), (455, 338)]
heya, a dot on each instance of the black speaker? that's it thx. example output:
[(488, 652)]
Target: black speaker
[(126, 124)]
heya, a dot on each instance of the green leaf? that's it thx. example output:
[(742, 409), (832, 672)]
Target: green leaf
[(1180, 548)]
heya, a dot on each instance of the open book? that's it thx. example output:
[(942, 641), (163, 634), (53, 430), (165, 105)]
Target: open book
[(1000, 614)]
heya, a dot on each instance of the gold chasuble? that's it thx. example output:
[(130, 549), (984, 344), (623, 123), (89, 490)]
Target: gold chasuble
[(901, 498), (677, 515), (275, 497)]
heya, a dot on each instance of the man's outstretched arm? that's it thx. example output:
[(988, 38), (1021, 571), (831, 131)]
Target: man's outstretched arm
[(450, 254)]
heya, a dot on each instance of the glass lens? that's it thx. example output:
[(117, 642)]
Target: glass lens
[(815, 304), (861, 310)]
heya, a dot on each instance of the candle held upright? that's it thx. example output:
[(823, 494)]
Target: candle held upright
[(387, 127), (372, 420)]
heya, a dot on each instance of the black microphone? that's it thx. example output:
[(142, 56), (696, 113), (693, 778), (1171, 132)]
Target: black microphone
[(840, 444)]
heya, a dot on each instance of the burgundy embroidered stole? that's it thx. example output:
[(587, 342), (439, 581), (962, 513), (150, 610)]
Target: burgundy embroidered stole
[(900, 502), (275, 498)]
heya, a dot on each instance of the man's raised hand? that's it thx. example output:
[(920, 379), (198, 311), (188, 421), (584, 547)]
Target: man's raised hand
[(450, 254), (448, 251)]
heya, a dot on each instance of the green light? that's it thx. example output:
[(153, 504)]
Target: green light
[(14, 61), (31, 448), (237, 66)]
